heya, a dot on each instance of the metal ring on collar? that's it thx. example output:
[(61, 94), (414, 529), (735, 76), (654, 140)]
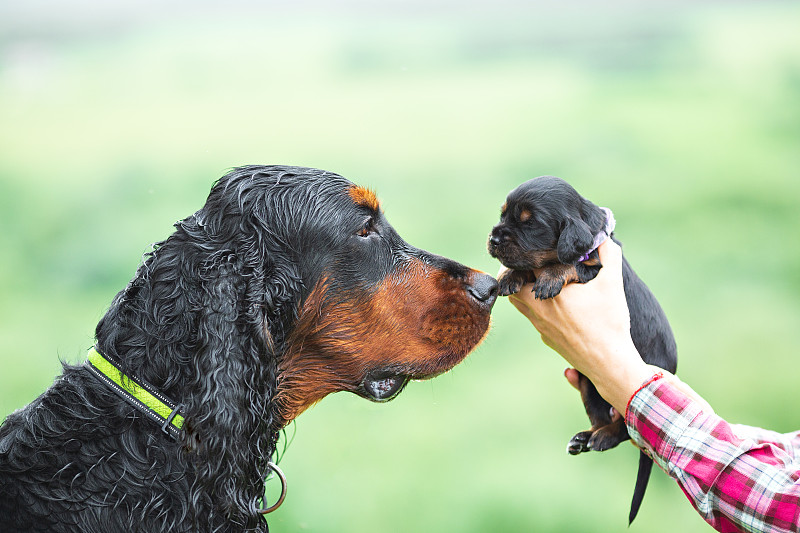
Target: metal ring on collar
[(272, 466)]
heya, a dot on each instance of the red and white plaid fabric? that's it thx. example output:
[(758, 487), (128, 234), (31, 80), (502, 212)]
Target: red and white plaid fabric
[(738, 478)]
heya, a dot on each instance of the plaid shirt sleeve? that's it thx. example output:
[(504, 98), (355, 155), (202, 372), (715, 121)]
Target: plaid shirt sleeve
[(738, 478)]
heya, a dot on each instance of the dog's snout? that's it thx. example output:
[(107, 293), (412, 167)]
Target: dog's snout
[(498, 236), (483, 288)]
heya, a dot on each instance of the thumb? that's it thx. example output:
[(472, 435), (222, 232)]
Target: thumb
[(610, 255)]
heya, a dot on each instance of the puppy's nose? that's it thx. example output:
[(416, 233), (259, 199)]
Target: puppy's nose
[(498, 236), (483, 288)]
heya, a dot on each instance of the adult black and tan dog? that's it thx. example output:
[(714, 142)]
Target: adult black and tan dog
[(547, 226), (288, 285)]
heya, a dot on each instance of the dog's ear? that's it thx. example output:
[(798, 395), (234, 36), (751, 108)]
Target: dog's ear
[(228, 413), (575, 240), (249, 291)]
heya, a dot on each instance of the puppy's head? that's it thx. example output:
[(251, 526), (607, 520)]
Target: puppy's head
[(544, 221)]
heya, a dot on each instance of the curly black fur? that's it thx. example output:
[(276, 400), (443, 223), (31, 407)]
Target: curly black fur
[(205, 320)]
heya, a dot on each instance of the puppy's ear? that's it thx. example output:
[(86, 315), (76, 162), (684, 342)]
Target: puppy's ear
[(575, 240)]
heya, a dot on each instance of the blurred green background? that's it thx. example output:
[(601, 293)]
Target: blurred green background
[(683, 117)]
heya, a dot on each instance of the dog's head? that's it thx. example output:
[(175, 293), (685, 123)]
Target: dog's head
[(347, 305), (544, 221), (376, 312), (288, 285)]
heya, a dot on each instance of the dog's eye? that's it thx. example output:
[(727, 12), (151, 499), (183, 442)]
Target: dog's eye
[(367, 229)]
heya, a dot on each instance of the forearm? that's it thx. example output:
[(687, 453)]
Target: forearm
[(617, 383), (788, 442)]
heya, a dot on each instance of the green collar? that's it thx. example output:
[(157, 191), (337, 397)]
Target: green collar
[(138, 393)]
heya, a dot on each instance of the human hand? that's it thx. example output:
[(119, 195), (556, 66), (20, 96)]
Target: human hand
[(589, 325)]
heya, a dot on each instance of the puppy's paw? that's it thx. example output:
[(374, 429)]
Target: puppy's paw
[(586, 272), (579, 443), (607, 437), (507, 287), (511, 281), (546, 287)]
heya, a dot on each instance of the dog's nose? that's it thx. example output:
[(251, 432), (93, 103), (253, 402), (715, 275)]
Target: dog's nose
[(497, 237), (483, 288)]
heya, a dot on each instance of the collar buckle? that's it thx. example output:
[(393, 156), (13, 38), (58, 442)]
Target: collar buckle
[(165, 427)]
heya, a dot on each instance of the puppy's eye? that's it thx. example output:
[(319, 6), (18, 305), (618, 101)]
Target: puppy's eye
[(367, 229)]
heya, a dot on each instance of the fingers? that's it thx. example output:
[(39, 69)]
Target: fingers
[(610, 255), (523, 306), (572, 377)]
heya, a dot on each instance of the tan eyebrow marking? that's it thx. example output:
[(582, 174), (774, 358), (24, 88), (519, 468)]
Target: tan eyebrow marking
[(364, 197), (525, 215)]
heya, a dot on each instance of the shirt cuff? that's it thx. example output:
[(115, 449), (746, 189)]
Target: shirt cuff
[(657, 417)]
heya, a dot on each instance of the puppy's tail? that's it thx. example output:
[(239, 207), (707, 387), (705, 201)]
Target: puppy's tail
[(642, 477)]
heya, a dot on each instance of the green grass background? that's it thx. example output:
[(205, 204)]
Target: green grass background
[(683, 117)]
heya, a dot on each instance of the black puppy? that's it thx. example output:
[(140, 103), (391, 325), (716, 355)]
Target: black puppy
[(545, 224)]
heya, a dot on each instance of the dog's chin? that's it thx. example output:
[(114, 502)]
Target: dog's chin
[(516, 262), (383, 385), (510, 256), (498, 251), (518, 265), (386, 385), (528, 260)]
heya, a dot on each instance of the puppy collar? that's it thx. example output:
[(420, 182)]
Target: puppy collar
[(601, 237), (138, 393)]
